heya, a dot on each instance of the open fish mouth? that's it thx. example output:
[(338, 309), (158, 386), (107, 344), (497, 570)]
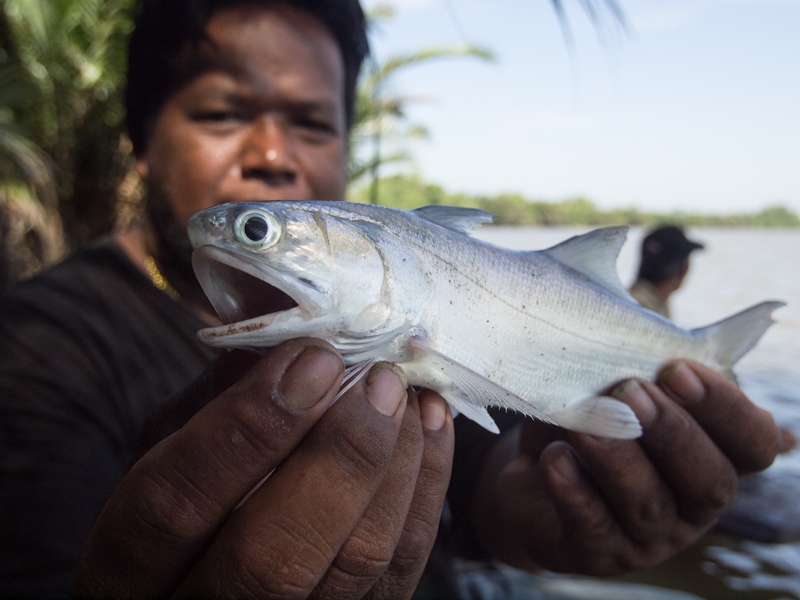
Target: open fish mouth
[(249, 295), (239, 296)]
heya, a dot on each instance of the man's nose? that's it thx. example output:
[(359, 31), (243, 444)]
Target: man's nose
[(268, 154)]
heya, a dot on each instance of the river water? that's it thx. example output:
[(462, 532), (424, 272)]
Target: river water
[(738, 268)]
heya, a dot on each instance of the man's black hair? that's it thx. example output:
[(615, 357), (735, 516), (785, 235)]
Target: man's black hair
[(166, 29)]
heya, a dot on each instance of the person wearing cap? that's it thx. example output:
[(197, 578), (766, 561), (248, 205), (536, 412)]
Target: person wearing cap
[(663, 267)]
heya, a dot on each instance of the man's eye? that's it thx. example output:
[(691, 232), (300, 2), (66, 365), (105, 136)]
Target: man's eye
[(316, 125), (217, 116)]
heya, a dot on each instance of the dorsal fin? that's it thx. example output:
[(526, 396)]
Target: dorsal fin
[(595, 255), (455, 218)]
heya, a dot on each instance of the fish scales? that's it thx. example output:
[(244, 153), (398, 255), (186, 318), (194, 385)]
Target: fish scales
[(544, 333), (541, 341)]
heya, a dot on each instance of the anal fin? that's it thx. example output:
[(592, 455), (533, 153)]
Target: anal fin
[(475, 413), (474, 391), (599, 415)]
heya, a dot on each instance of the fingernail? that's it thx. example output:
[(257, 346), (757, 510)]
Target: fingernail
[(433, 412), (310, 377), (683, 383), (386, 388), (634, 395), (566, 468)]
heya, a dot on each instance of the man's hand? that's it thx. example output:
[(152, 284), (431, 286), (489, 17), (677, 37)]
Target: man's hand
[(351, 508), (578, 503)]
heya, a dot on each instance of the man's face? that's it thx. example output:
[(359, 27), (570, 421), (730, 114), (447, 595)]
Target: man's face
[(268, 124)]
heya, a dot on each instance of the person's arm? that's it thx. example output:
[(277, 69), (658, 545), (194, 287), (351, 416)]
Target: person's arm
[(351, 508), (578, 503)]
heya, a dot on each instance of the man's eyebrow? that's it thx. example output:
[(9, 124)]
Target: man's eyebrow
[(245, 94), (205, 57)]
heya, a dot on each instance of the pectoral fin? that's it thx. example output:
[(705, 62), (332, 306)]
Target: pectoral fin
[(352, 375), (599, 415)]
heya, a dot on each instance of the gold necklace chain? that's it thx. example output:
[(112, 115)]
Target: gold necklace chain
[(159, 280)]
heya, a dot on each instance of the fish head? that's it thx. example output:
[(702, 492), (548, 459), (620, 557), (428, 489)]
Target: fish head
[(275, 271)]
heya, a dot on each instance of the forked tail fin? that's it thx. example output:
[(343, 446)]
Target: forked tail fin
[(733, 337)]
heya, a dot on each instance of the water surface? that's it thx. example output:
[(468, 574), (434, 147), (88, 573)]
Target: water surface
[(738, 268)]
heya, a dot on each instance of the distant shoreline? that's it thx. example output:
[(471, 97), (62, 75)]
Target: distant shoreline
[(409, 191)]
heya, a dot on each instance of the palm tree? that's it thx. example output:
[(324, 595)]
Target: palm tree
[(62, 66), (381, 115)]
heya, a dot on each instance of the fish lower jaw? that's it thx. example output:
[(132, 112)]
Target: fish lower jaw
[(264, 331), (229, 335)]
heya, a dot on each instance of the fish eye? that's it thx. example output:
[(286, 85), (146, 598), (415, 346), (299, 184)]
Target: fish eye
[(256, 229)]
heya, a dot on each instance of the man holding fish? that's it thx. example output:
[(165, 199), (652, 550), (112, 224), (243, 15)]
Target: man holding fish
[(251, 101)]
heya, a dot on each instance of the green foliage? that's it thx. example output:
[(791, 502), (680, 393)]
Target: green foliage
[(409, 191), (62, 66), (406, 192), (777, 216)]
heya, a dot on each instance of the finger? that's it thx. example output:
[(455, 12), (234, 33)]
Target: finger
[(746, 433), (634, 491), (590, 536), (171, 503), (642, 502), (702, 479), (368, 550), (536, 435), (283, 539), (788, 440), (422, 522), (176, 411)]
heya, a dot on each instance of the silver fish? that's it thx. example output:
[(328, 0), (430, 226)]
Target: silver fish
[(540, 332)]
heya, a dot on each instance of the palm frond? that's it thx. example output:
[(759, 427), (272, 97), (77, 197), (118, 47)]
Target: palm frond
[(595, 10), (20, 155), (381, 114)]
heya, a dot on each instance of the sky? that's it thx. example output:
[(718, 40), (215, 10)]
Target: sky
[(694, 106)]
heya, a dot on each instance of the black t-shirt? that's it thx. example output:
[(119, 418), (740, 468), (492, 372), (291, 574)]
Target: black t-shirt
[(87, 350)]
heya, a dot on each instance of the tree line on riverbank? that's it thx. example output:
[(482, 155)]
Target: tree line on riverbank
[(410, 191)]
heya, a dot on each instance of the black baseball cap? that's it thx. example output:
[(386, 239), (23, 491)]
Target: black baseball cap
[(669, 242)]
